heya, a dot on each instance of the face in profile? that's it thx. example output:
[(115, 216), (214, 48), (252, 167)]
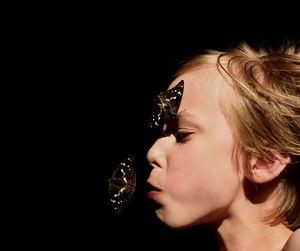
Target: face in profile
[(195, 176)]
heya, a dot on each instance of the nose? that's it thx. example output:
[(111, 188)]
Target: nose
[(157, 154)]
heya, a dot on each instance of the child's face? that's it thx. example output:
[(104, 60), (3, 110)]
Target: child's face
[(196, 171)]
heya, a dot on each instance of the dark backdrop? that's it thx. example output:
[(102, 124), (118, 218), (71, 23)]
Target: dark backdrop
[(109, 71)]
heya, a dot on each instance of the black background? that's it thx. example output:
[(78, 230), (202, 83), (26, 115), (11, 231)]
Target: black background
[(103, 72)]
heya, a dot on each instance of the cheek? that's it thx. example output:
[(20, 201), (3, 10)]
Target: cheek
[(204, 171), (187, 176)]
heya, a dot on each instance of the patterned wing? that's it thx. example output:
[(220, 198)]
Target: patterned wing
[(166, 105), (122, 184)]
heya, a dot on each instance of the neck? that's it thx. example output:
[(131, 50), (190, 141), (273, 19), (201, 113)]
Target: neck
[(245, 231)]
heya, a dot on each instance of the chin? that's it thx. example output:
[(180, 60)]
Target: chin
[(171, 220)]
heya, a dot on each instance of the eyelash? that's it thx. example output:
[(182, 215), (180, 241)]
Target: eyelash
[(181, 137)]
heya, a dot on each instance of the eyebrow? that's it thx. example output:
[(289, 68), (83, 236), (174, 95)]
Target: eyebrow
[(195, 119), (185, 113)]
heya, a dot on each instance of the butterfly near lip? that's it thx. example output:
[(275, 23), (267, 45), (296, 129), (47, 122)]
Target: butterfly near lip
[(122, 184)]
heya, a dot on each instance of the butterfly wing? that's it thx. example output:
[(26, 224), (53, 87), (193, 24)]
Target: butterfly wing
[(122, 184), (166, 104)]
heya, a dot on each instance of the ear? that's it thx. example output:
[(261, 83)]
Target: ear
[(265, 170)]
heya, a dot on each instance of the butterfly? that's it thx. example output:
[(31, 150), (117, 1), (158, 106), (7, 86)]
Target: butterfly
[(166, 104), (122, 184)]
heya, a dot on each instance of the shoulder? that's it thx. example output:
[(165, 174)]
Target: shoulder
[(293, 243)]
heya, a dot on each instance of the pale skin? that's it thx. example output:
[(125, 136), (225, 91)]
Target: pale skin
[(198, 179)]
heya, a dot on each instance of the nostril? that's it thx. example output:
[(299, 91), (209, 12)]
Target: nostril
[(154, 164)]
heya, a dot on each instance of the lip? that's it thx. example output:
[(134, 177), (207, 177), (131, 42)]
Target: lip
[(154, 193)]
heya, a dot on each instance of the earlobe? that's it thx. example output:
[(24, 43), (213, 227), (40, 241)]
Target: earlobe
[(265, 170)]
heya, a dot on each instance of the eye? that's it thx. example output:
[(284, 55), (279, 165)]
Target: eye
[(182, 137)]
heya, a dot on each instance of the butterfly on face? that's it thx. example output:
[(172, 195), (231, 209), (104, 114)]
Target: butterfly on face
[(122, 184), (166, 104)]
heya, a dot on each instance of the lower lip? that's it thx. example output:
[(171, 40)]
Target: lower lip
[(152, 194)]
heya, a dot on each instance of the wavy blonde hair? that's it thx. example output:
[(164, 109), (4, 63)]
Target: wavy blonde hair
[(264, 111)]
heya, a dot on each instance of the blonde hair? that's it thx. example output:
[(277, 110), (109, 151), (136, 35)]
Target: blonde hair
[(265, 110)]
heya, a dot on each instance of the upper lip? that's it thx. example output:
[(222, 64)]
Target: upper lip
[(151, 187)]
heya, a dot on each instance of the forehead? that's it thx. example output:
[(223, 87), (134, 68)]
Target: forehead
[(202, 88)]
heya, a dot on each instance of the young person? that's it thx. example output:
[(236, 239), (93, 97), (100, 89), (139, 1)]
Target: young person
[(229, 153)]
